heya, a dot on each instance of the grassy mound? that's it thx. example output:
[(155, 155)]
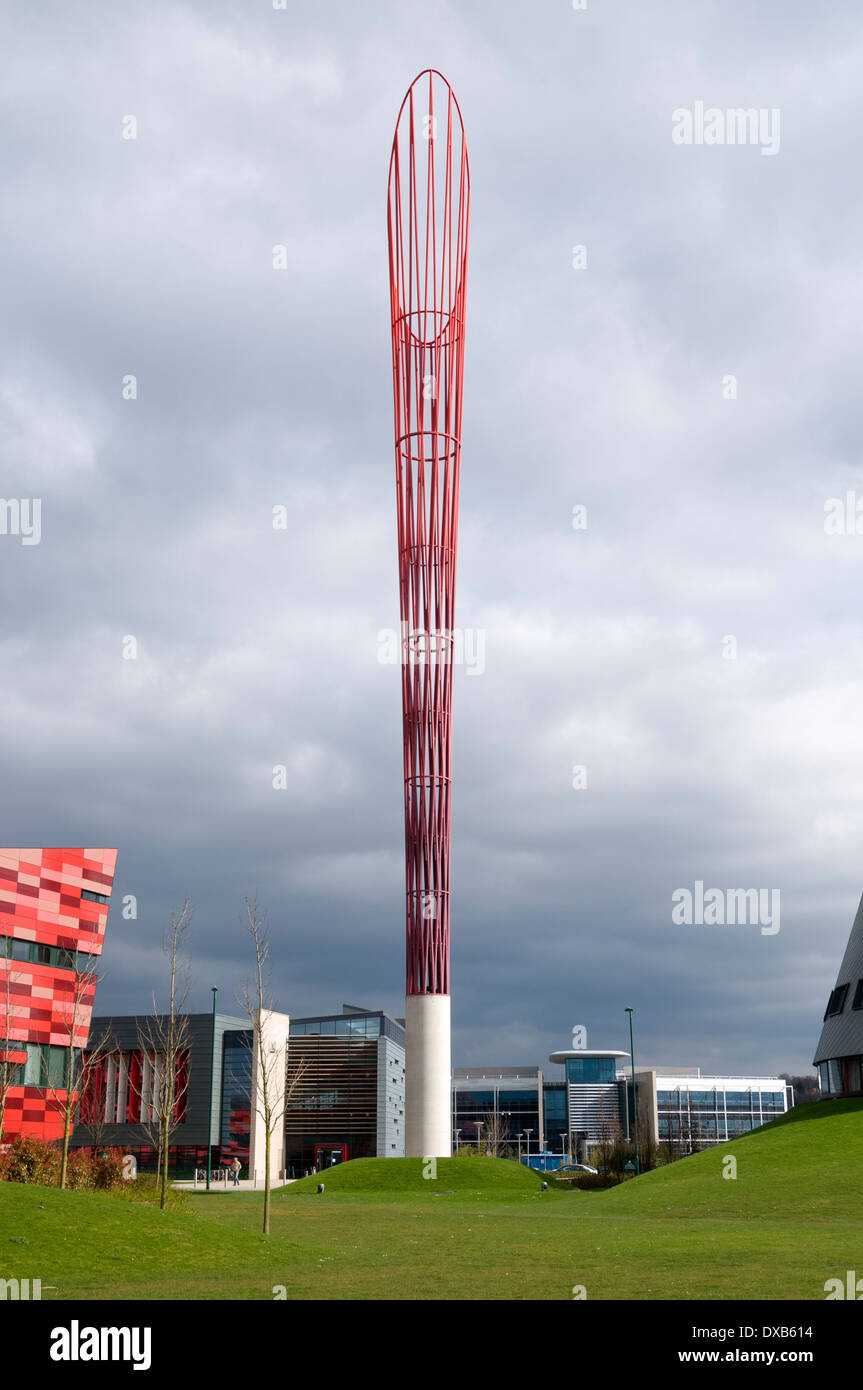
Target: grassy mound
[(802, 1164), (421, 1177)]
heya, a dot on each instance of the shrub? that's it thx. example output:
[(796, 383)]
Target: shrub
[(591, 1182), (30, 1160), (146, 1188), (79, 1171), (108, 1170)]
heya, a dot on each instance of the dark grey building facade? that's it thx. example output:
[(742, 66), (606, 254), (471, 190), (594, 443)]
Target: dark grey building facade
[(213, 1103), (839, 1053)]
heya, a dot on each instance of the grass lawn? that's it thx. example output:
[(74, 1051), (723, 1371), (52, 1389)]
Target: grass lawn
[(482, 1228)]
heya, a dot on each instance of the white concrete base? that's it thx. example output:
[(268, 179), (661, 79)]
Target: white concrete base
[(428, 1076), (271, 1035)]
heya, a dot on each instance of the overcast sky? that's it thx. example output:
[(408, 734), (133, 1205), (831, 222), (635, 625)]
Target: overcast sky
[(605, 387)]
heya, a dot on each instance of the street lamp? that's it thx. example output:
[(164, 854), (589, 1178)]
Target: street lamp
[(563, 1139), (478, 1124), (518, 1137), (528, 1132), (634, 1091), (457, 1133), (215, 989)]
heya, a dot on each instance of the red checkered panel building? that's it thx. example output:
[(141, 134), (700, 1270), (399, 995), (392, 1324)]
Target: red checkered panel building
[(53, 914)]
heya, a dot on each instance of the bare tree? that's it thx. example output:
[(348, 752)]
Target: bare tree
[(93, 1088), (166, 1039), (65, 1096), (272, 1089), (607, 1135), (496, 1133), (9, 1071)]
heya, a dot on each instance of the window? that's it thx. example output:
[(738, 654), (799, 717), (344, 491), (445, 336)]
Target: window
[(704, 1126), (33, 1065), (738, 1124), (858, 996), (772, 1100), (88, 897), (56, 1067), (14, 948), (738, 1100), (836, 1002), (587, 1070)]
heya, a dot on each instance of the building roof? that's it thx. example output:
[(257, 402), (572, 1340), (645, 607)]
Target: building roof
[(842, 1033), (585, 1052)]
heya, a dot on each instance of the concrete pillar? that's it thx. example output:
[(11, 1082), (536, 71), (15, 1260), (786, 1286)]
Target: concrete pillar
[(270, 1040), (428, 1076)]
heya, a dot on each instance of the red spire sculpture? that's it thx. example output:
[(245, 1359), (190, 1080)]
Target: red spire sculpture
[(428, 213)]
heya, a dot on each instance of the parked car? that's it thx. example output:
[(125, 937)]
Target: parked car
[(577, 1168)]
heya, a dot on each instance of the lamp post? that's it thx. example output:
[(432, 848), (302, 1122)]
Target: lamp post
[(518, 1137), (215, 989), (457, 1133), (528, 1133), (478, 1124), (563, 1139), (634, 1092)]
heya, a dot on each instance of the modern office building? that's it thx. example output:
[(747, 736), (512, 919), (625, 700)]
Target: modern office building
[(509, 1100), (533, 1115), (348, 1100), (679, 1106), (53, 915), (348, 1072), (839, 1054), (215, 1091), (595, 1096)]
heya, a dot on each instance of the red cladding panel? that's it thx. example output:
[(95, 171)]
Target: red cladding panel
[(41, 904)]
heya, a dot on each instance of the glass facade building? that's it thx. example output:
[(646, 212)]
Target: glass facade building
[(506, 1101), (707, 1113), (691, 1111), (348, 1072)]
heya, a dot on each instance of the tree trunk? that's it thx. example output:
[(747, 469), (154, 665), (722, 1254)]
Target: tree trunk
[(67, 1134), (267, 1180), (163, 1149)]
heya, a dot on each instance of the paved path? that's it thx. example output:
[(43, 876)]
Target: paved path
[(245, 1185)]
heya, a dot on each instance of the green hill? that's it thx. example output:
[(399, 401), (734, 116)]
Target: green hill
[(498, 1177), (804, 1164)]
